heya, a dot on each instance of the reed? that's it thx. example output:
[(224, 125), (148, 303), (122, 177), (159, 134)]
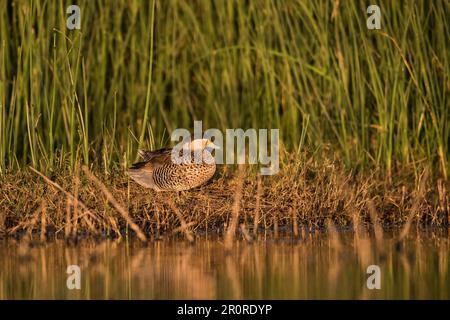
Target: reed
[(136, 70)]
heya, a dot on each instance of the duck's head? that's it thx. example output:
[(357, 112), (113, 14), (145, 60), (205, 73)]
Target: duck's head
[(200, 144)]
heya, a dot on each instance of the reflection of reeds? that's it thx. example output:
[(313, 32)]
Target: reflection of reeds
[(336, 253), (229, 235), (374, 216), (233, 277), (319, 268)]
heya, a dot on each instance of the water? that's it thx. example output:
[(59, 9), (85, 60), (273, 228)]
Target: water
[(318, 267)]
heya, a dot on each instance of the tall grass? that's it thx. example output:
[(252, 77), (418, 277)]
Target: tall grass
[(136, 70)]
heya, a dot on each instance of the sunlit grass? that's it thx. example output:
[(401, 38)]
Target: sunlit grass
[(137, 70)]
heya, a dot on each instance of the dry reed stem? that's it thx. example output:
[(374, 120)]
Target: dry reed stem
[(184, 226), (2, 225), (116, 204), (43, 221), (444, 204), (84, 215), (314, 193), (229, 236), (335, 11), (75, 204), (32, 222), (114, 225), (415, 206), (294, 222), (334, 237), (90, 225), (376, 223), (68, 225), (275, 227), (257, 206), (68, 194), (245, 232), (27, 224)]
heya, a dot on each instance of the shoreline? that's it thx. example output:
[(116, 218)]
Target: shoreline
[(302, 197)]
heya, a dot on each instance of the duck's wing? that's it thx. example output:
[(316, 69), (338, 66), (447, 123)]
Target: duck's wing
[(149, 155), (152, 159), (142, 172)]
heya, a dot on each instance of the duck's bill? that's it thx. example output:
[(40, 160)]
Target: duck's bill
[(212, 145)]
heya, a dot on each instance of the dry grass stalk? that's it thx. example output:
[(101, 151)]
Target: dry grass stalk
[(360, 242), (43, 236), (32, 223), (75, 203), (27, 224), (313, 191), (376, 223), (334, 237), (257, 206), (229, 236), (275, 227), (184, 226), (245, 233), (58, 187), (415, 206), (335, 11), (116, 204), (444, 204), (294, 222), (90, 225), (2, 225), (68, 225)]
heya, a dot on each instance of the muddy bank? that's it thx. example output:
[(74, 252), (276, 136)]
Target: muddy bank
[(301, 197)]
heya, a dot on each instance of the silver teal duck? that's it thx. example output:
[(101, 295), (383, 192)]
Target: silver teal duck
[(160, 172)]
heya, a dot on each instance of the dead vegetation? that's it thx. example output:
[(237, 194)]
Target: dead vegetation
[(301, 198)]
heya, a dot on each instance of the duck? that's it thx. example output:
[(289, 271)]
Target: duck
[(160, 171)]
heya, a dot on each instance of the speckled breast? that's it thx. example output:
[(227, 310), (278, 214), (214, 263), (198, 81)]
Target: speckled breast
[(186, 175)]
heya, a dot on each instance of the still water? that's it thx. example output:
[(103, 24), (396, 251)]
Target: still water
[(320, 266)]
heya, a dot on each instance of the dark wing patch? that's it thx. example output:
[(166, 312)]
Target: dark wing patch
[(152, 159), (138, 165), (149, 155)]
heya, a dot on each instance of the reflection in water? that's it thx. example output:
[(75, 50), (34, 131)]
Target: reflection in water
[(320, 266)]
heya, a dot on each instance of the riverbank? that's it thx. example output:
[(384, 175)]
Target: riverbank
[(301, 198)]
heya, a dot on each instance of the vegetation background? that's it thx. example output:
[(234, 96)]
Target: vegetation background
[(364, 122), (136, 70)]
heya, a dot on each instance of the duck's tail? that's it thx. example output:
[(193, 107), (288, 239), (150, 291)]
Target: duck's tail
[(142, 177)]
